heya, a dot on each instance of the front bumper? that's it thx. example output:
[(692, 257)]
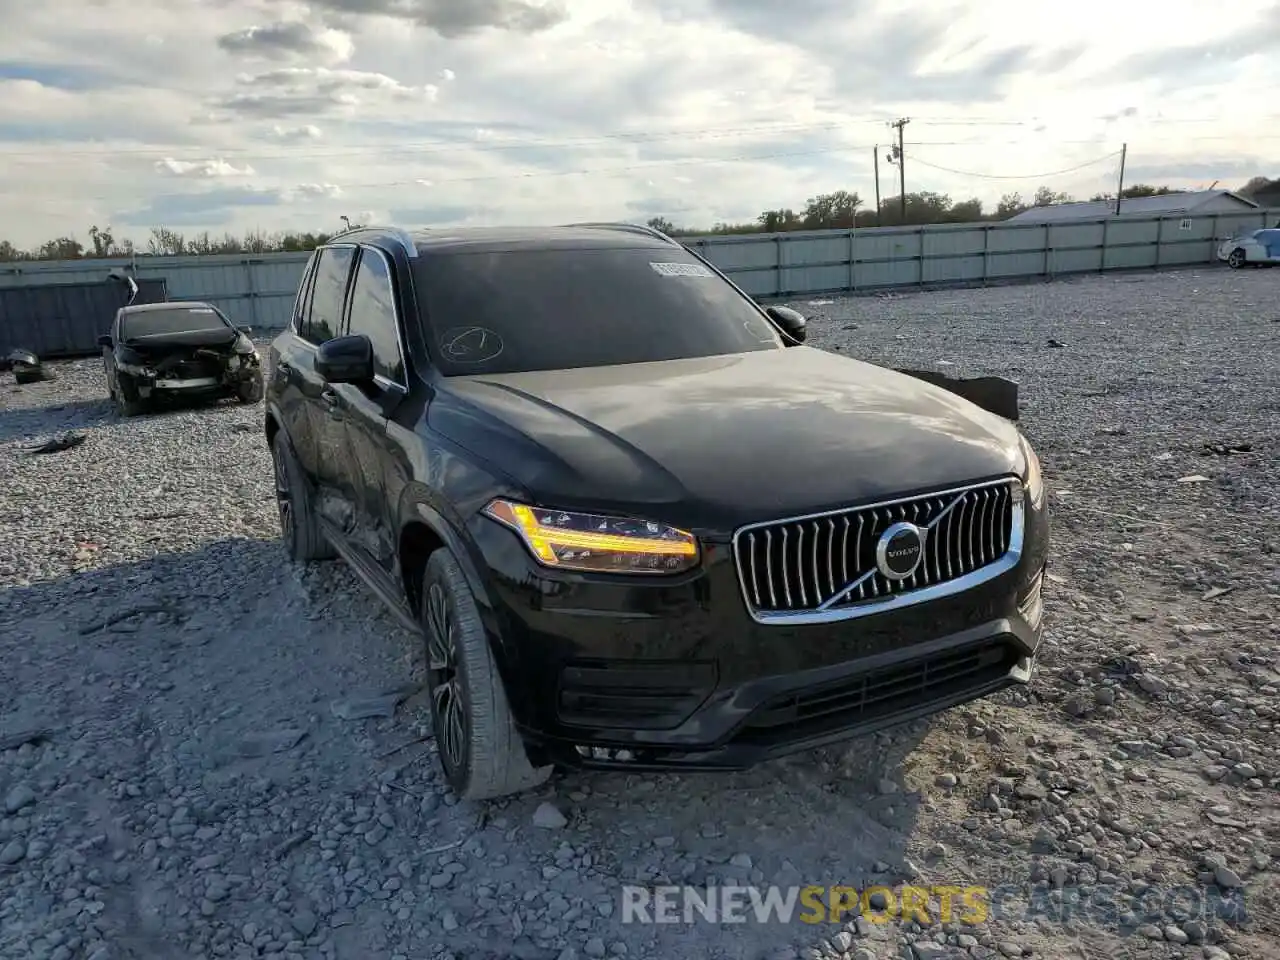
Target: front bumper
[(610, 672), (227, 378)]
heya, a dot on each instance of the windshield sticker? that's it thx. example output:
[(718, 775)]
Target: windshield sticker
[(681, 270), (470, 344)]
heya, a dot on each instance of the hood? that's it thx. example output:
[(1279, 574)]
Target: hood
[(716, 442), (162, 343)]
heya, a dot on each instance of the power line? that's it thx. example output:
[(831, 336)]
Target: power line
[(432, 146), (432, 182), (307, 151), (1017, 176)]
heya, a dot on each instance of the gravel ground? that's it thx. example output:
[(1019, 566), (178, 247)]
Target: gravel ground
[(189, 787)]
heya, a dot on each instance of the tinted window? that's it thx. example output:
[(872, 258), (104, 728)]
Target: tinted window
[(176, 319), (373, 314), (303, 300), (324, 319), (516, 310)]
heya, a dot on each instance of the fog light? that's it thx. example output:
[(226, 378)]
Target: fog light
[(608, 754), (1032, 605)]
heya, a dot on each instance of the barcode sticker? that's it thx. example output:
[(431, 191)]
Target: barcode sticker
[(681, 270)]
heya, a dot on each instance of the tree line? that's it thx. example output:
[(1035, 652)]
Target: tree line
[(840, 210)]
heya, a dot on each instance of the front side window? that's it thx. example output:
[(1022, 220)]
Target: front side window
[(373, 314), (523, 309), (329, 290), (175, 319)]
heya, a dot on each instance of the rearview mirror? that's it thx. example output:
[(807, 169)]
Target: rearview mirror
[(104, 340), (345, 360), (791, 324)]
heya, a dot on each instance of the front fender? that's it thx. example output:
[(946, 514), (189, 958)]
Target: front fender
[(458, 544)]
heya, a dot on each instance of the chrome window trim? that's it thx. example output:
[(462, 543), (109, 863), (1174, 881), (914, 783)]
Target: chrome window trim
[(1008, 561)]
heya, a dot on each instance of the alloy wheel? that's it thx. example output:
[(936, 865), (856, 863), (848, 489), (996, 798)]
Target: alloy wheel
[(284, 500), (443, 680), (1236, 259)]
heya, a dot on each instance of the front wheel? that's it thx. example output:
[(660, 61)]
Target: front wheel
[(128, 402), (250, 391), (480, 751), (1237, 259)]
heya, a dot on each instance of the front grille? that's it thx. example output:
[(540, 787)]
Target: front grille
[(828, 562), (881, 694), (177, 368)]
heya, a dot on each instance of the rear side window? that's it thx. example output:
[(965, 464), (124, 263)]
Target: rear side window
[(373, 313), (302, 303), (333, 268)]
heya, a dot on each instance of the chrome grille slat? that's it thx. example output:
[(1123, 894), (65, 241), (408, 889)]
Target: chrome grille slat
[(798, 566), (786, 580), (768, 560), (965, 530)]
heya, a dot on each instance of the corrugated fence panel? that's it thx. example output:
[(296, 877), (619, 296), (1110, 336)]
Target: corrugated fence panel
[(1016, 251), (887, 258), (953, 256), (259, 290), (64, 319), (814, 262)]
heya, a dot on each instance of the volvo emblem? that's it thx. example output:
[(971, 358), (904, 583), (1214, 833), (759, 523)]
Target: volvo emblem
[(900, 550)]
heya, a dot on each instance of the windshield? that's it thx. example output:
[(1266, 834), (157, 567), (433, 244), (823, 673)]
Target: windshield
[(511, 311), (178, 319)]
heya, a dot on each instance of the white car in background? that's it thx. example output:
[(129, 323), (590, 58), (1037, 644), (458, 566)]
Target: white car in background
[(1254, 247)]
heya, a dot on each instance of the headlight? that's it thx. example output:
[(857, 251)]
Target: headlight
[(600, 544), (1034, 479)]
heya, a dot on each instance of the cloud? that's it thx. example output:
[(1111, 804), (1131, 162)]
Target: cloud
[(202, 168), (520, 111), (306, 131), (460, 18), (1205, 59), (314, 191), (302, 91), (439, 214), (208, 208), (288, 39)]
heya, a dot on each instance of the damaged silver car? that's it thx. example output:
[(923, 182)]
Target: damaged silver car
[(185, 349)]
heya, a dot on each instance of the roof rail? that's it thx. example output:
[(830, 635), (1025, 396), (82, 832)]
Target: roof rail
[(400, 235), (630, 228)]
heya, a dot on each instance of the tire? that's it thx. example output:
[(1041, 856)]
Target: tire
[(252, 391), (128, 403), (299, 525), (1236, 259), (479, 749)]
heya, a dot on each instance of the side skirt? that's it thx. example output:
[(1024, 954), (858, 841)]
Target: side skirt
[(373, 578)]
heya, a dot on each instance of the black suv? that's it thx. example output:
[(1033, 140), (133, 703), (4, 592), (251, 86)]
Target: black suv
[(637, 523)]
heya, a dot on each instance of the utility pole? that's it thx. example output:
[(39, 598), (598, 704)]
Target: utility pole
[(1124, 153), (876, 155), (900, 154)]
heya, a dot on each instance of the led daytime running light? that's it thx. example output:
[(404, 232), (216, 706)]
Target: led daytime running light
[(542, 540)]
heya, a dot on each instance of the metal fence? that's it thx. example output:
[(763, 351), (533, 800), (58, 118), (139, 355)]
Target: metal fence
[(258, 290)]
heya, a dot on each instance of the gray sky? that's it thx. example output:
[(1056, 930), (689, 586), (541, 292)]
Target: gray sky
[(242, 114)]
